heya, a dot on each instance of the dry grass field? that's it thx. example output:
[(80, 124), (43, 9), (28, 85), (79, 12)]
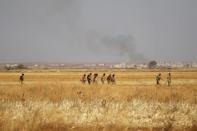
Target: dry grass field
[(57, 100)]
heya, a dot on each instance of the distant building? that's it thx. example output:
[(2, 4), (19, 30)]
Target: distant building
[(142, 66), (11, 66), (194, 65)]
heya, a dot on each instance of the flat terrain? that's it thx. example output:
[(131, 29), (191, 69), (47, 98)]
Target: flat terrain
[(57, 100)]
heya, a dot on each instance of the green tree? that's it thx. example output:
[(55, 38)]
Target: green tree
[(152, 64), (20, 66)]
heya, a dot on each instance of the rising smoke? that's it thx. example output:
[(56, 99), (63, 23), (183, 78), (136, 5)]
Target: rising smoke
[(119, 45), (60, 31), (123, 45)]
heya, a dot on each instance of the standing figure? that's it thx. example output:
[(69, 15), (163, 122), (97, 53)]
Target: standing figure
[(109, 79), (169, 78), (103, 78), (113, 80), (158, 78), (95, 78), (21, 78), (83, 79), (89, 78)]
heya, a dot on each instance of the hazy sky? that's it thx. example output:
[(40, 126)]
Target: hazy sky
[(98, 30)]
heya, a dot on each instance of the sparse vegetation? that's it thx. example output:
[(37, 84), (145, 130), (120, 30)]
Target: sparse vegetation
[(15, 66), (21, 66)]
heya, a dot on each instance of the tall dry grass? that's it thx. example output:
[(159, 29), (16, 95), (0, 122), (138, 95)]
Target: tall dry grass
[(34, 115)]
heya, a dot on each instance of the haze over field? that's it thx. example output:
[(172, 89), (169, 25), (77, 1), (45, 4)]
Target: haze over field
[(97, 30)]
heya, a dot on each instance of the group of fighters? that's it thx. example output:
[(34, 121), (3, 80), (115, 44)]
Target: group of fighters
[(159, 78), (93, 78)]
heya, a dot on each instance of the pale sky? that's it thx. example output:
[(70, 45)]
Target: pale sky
[(98, 30)]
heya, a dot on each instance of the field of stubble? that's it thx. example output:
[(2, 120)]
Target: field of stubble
[(56, 100)]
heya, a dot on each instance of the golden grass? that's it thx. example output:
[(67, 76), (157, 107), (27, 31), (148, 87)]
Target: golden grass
[(57, 100)]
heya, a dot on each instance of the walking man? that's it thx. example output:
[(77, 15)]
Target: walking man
[(113, 80), (169, 78), (109, 79), (103, 78), (21, 78), (95, 78), (89, 78), (83, 79), (158, 78)]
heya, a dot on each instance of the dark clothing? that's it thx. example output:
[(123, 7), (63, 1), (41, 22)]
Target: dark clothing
[(109, 79), (21, 78), (103, 78), (158, 78), (89, 79), (95, 78)]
